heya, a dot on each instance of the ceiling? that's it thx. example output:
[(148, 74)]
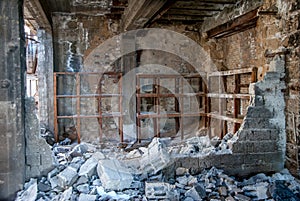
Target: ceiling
[(136, 13)]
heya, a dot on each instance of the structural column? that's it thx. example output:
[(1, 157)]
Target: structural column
[(45, 75), (12, 90)]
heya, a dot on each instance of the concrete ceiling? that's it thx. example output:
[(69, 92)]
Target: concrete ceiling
[(134, 13)]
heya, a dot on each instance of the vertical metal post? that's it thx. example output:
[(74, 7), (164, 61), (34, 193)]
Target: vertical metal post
[(120, 109), (138, 109), (55, 107), (78, 105)]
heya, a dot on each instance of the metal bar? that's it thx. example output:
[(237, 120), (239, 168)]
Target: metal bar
[(231, 72), (55, 107), (172, 115), (121, 110), (156, 106), (240, 96), (152, 95), (177, 122), (181, 110), (100, 119), (138, 110), (89, 96), (225, 118), (236, 101), (254, 75), (78, 105)]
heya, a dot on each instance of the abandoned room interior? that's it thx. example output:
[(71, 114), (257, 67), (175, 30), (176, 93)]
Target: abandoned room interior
[(150, 100)]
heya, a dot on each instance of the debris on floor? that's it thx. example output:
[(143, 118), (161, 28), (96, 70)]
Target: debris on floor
[(84, 172)]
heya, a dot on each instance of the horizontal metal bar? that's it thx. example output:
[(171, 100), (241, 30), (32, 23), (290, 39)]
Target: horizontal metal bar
[(89, 96), (231, 72), (240, 96)]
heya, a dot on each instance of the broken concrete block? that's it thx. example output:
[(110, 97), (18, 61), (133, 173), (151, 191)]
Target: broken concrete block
[(87, 197), (155, 158), (113, 175), (67, 177), (89, 167), (160, 191)]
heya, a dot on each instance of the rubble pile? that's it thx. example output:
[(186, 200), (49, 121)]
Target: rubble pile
[(85, 173)]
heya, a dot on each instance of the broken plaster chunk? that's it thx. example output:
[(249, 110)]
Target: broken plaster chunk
[(113, 175)]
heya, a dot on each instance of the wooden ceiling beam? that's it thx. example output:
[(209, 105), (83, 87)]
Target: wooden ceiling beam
[(190, 12), (140, 13), (235, 25)]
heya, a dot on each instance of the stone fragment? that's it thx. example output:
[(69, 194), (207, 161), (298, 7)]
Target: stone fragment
[(113, 175), (160, 191), (87, 197), (67, 177), (258, 191), (242, 197), (188, 199), (89, 167), (200, 188), (222, 191), (83, 188), (193, 194), (81, 180), (66, 195), (30, 191), (54, 182), (229, 198), (155, 158), (44, 187), (181, 171)]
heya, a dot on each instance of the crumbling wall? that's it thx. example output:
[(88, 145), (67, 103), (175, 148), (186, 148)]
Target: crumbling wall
[(38, 157), (290, 26)]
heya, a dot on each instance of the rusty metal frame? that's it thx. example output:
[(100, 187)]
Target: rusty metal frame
[(236, 96), (78, 97), (179, 114)]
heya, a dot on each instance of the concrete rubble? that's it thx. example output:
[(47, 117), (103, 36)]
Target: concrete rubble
[(84, 172)]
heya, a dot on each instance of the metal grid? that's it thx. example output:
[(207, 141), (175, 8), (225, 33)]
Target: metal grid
[(99, 95)]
